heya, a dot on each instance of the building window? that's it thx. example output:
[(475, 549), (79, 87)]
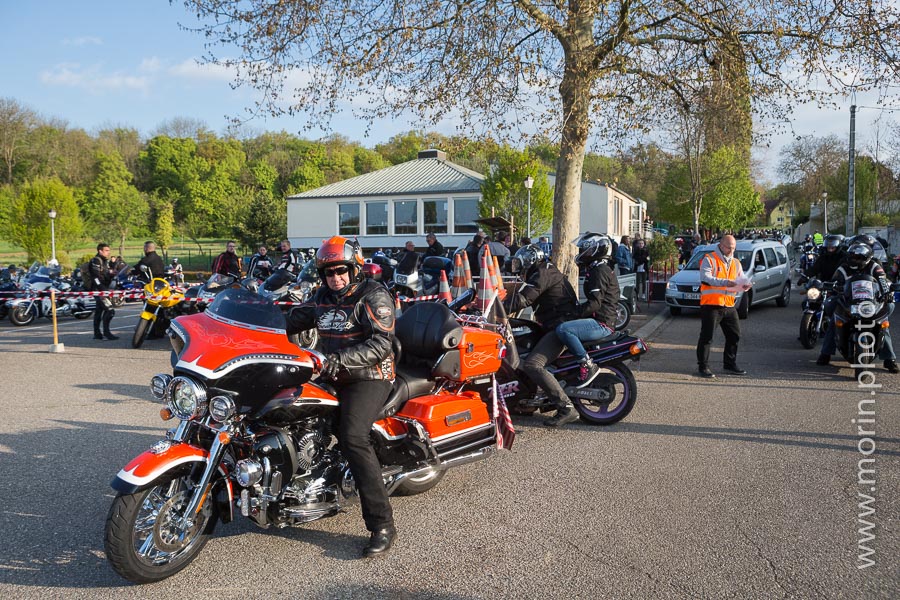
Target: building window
[(348, 219), (465, 211), (406, 217), (634, 224), (435, 215), (376, 218)]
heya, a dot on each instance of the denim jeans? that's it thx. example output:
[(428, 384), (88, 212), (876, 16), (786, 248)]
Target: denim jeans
[(574, 334)]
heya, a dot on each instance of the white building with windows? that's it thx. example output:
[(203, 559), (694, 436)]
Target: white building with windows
[(388, 207)]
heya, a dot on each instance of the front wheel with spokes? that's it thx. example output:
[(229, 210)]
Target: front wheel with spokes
[(147, 538)]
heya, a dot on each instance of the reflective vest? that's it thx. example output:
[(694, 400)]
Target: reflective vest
[(719, 296), (818, 238)]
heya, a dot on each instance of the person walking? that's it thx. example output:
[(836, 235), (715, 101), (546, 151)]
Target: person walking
[(101, 277), (473, 249), (624, 260), (720, 273), (228, 262)]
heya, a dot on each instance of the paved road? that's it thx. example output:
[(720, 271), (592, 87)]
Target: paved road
[(732, 488)]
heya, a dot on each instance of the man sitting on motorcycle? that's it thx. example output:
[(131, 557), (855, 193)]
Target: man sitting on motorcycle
[(601, 288), (859, 259), (355, 321), (554, 301), (830, 258)]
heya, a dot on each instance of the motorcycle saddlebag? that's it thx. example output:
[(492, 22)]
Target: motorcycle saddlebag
[(447, 414), (478, 354)]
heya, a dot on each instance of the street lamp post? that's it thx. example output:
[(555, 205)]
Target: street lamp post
[(825, 202), (52, 215), (529, 181)]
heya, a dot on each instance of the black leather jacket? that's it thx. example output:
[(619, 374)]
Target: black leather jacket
[(99, 267), (826, 265), (549, 293), (358, 327), (601, 288), (154, 262), (874, 269)]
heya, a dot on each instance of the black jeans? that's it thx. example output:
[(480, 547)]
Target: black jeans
[(361, 403), (546, 351), (103, 314), (711, 317)]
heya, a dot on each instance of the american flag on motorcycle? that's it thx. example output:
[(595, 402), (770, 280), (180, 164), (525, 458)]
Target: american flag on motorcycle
[(506, 433)]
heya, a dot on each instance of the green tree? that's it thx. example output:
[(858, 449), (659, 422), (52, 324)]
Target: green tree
[(112, 207), (29, 225), (15, 122), (504, 191), (165, 223)]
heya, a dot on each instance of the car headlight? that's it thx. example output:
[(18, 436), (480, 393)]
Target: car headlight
[(159, 385), (187, 398), (670, 285), (813, 293), (221, 408)]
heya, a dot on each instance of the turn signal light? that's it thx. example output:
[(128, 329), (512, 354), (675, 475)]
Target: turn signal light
[(885, 324), (224, 437), (839, 323), (165, 414)]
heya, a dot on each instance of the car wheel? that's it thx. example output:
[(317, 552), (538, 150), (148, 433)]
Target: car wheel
[(743, 309), (785, 298)]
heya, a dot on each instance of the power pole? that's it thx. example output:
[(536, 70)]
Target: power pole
[(851, 191)]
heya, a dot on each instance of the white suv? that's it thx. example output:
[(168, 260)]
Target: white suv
[(765, 262)]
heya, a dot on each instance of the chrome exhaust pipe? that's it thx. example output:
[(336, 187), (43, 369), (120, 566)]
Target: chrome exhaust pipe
[(447, 464)]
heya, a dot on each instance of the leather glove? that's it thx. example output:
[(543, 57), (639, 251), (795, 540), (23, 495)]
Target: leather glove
[(332, 366)]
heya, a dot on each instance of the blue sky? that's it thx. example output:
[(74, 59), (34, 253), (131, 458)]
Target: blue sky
[(105, 63)]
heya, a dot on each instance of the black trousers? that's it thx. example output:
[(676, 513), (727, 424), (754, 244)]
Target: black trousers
[(103, 313), (711, 317), (361, 403), (546, 351)]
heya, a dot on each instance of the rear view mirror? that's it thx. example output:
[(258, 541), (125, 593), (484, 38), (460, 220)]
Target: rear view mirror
[(759, 268)]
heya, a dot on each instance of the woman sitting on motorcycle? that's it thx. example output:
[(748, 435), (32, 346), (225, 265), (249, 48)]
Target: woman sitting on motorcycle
[(355, 321), (601, 288)]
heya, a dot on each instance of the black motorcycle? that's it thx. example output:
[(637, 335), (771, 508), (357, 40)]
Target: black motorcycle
[(813, 323), (860, 315)]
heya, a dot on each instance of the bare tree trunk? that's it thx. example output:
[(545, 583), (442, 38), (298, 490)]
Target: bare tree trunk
[(576, 100)]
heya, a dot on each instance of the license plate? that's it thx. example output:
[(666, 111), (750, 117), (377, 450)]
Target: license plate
[(692, 296)]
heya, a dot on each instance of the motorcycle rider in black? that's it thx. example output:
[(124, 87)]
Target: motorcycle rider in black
[(101, 278), (355, 321), (860, 259), (829, 259), (260, 264), (153, 261), (553, 301)]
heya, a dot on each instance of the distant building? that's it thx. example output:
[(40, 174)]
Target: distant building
[(385, 208)]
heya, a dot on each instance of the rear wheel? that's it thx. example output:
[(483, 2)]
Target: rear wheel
[(623, 314), (616, 392), (785, 298), (421, 483), (809, 332), (140, 333), (145, 538)]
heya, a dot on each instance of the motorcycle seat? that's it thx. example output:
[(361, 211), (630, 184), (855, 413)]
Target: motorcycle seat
[(410, 382), (428, 329)]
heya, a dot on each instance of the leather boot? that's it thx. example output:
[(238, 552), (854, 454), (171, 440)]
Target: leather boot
[(380, 542), (106, 320), (97, 334), (563, 416)]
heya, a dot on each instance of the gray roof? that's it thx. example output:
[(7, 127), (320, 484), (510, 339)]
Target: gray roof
[(420, 176)]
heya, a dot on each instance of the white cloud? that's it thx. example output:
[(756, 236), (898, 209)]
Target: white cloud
[(92, 78), (150, 65), (192, 69), (86, 40)]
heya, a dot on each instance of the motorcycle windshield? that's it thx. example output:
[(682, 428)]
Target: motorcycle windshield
[(408, 263), (309, 272), (239, 305), (277, 280), (218, 280)]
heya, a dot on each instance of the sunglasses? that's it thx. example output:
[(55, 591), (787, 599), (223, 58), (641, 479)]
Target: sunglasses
[(336, 271)]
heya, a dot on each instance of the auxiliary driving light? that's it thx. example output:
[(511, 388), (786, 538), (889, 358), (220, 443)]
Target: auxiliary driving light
[(159, 384)]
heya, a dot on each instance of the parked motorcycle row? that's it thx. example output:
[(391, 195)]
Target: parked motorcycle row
[(254, 431)]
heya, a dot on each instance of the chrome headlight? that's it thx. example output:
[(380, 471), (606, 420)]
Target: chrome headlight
[(159, 385), (248, 472), (867, 309), (813, 293), (671, 285), (187, 398), (221, 408)]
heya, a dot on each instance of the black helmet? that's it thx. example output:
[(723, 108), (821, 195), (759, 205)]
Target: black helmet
[(864, 238), (526, 257), (859, 256), (591, 247), (832, 242)]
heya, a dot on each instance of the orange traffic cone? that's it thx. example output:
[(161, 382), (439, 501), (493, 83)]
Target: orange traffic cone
[(485, 288), (498, 280), (444, 288), (397, 310), (467, 269), (459, 278)]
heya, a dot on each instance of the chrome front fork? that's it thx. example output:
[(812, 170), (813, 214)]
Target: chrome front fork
[(201, 490)]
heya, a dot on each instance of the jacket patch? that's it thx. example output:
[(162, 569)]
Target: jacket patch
[(383, 311)]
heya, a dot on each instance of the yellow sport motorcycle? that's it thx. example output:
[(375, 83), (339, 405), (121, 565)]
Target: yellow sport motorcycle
[(161, 305)]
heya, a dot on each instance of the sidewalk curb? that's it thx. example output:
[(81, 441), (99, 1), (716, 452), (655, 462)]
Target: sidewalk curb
[(655, 323)]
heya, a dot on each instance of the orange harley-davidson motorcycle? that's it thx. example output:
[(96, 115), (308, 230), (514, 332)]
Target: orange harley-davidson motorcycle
[(256, 436)]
